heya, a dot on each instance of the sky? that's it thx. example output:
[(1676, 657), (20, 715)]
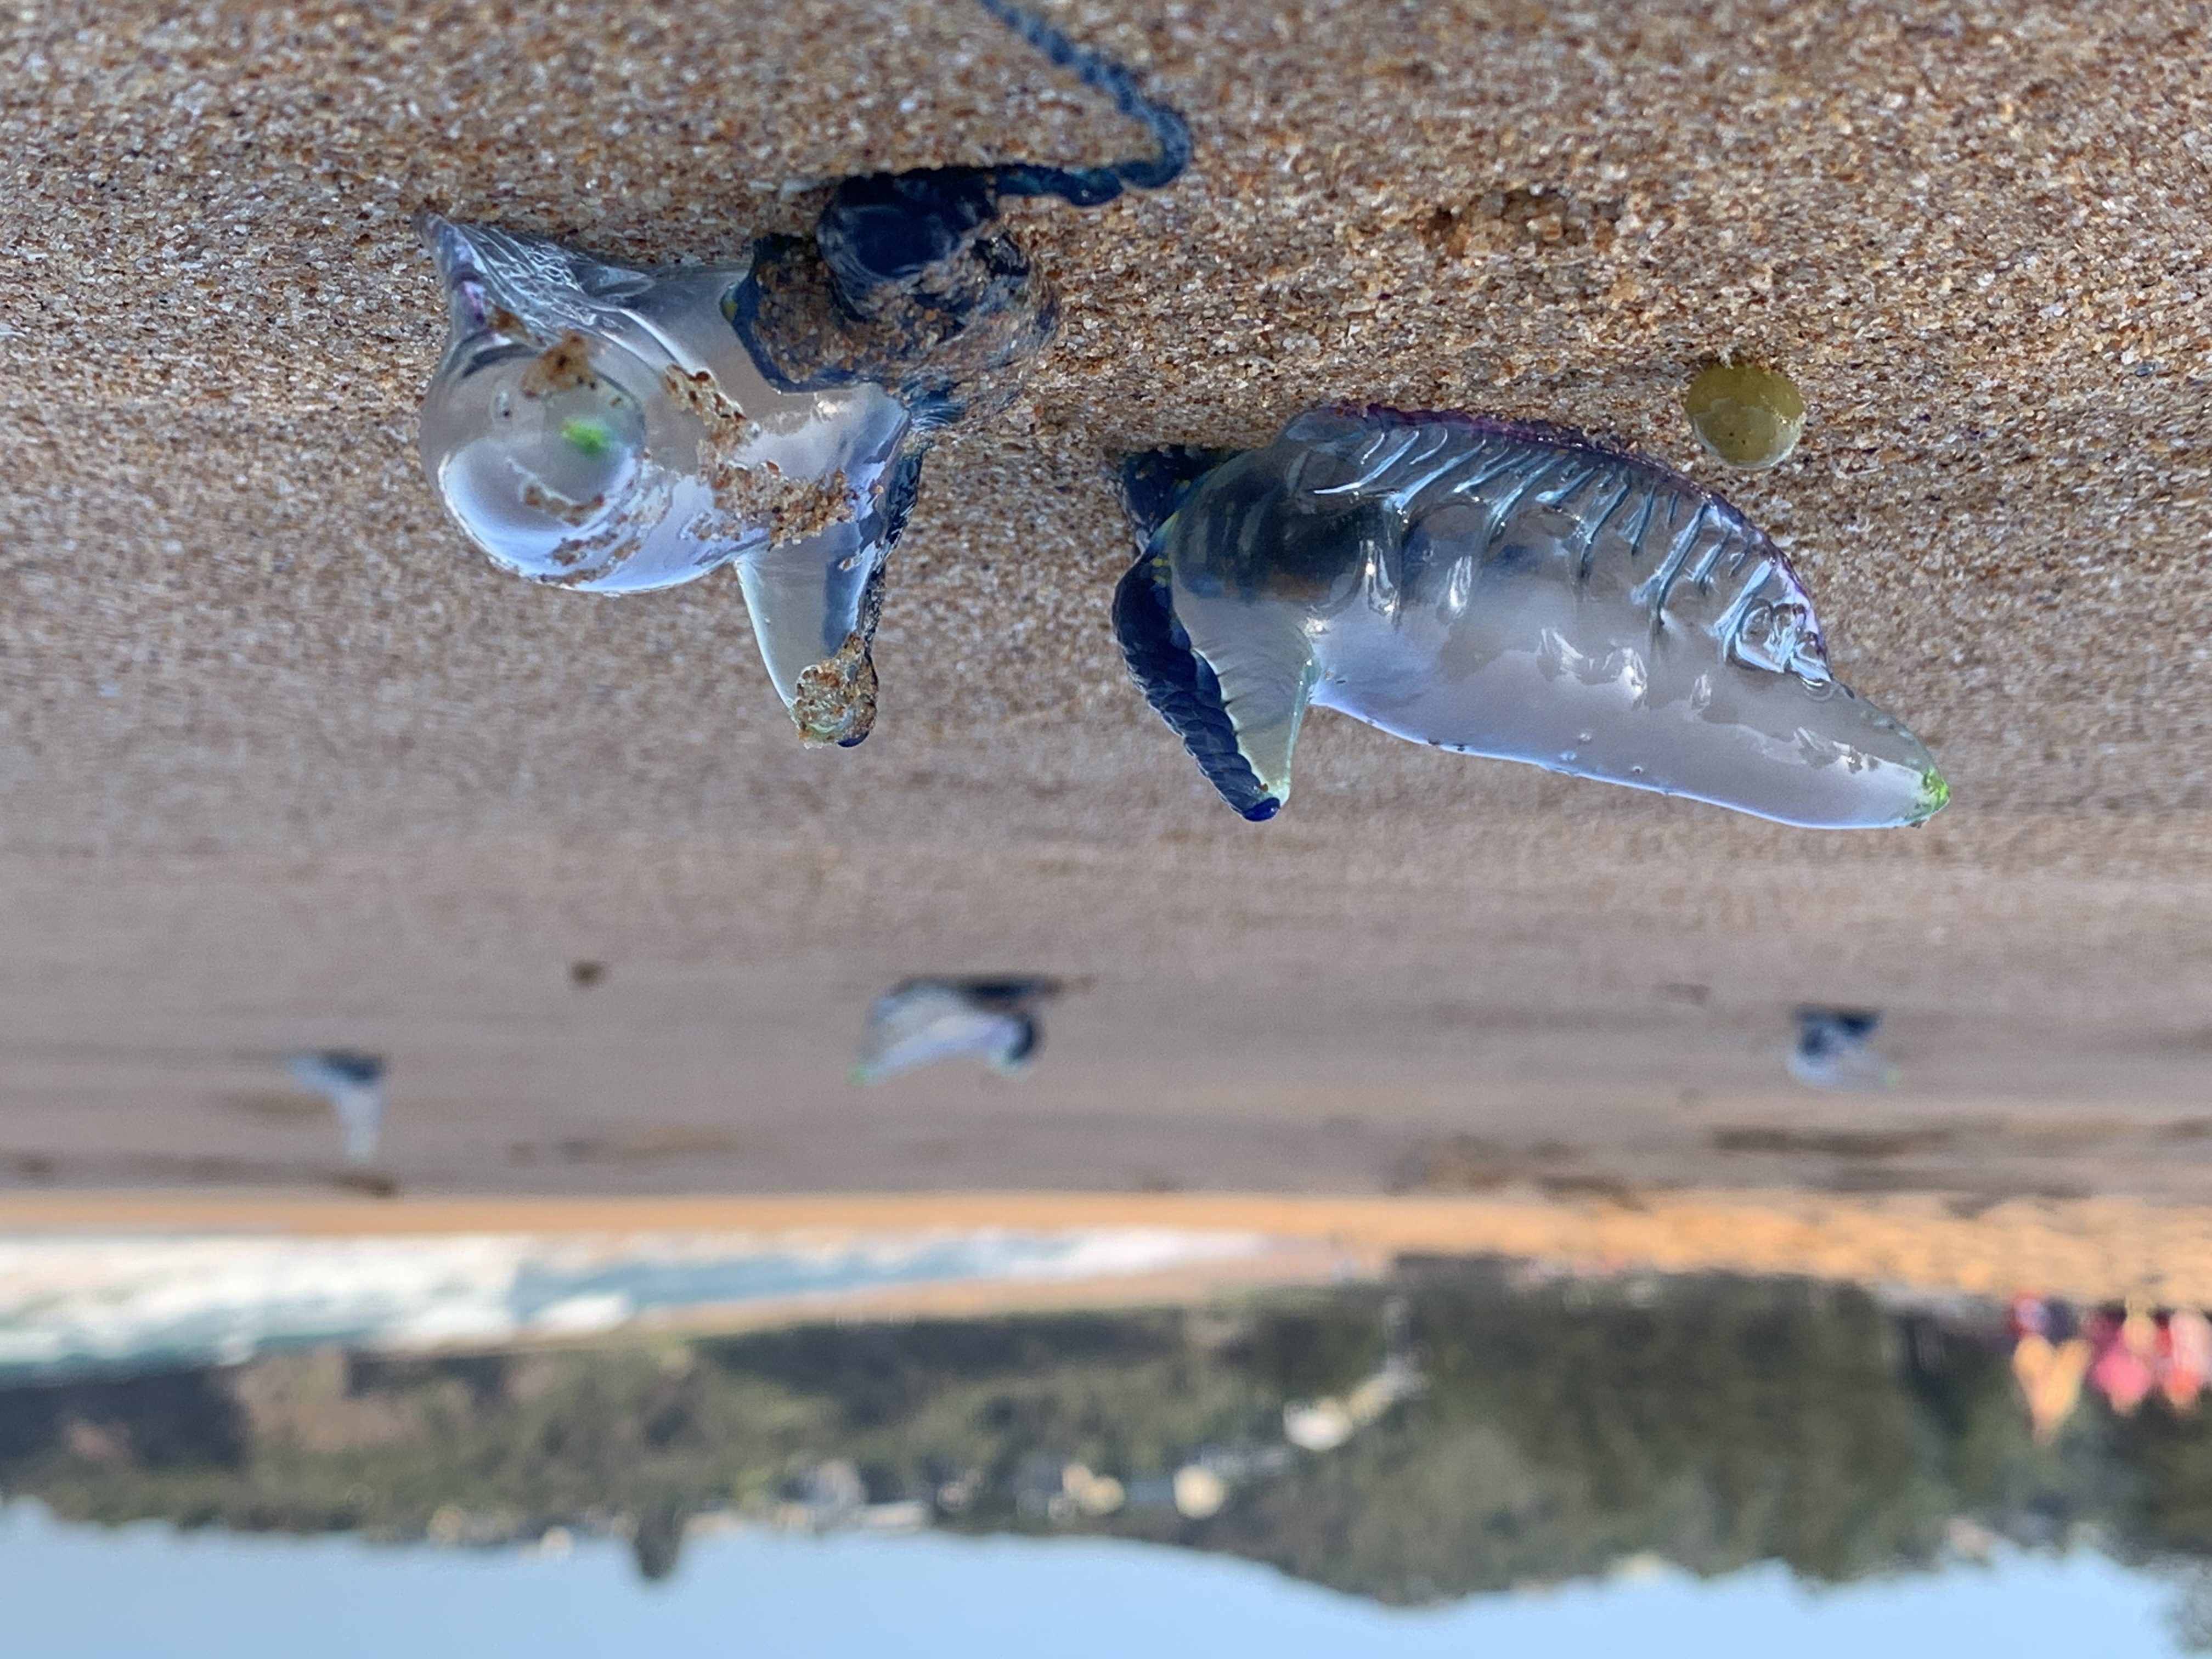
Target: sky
[(82, 1592)]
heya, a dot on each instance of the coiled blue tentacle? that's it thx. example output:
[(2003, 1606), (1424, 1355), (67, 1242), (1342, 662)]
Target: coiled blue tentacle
[(914, 285), (883, 229), (1091, 186)]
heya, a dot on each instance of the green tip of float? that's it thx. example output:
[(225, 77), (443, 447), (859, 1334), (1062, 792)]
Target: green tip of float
[(1935, 795)]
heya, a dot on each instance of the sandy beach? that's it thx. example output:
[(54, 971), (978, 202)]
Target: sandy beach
[(287, 764)]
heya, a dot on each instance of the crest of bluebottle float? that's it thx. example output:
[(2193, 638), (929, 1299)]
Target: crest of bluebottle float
[(615, 430), (1520, 591)]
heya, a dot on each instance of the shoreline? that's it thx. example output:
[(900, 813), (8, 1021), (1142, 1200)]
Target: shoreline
[(2086, 1249)]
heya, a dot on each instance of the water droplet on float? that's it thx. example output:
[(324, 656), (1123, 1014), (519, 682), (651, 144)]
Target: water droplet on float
[(1745, 416)]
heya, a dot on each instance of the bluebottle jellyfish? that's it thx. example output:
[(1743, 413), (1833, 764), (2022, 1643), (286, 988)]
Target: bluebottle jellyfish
[(925, 1020), (1519, 591), (353, 1083), (615, 430), (1834, 1049)]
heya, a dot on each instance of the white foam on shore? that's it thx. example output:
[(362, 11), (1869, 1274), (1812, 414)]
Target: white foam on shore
[(69, 1301)]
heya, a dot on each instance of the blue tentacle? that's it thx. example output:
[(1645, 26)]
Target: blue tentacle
[(1091, 186)]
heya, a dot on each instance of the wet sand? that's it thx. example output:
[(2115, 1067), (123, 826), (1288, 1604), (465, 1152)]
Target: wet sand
[(1513, 1017), (284, 763)]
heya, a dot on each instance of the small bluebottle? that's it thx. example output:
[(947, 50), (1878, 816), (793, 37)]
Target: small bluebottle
[(353, 1083), (1521, 592), (1834, 1049), (615, 430), (922, 1021)]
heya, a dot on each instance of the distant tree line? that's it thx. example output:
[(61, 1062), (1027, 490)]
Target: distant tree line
[(1565, 1425)]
